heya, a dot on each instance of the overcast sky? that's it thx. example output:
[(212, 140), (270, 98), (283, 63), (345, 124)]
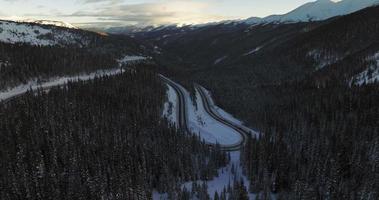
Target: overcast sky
[(143, 12)]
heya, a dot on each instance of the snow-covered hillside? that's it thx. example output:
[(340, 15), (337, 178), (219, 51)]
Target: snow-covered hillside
[(50, 22), (35, 34), (317, 10)]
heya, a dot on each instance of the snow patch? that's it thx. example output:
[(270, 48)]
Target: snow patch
[(219, 60), (210, 130), (159, 196), (170, 111), (370, 75), (227, 176), (321, 59), (131, 60), (252, 51)]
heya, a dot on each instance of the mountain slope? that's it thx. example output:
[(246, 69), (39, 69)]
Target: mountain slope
[(50, 22), (43, 35), (35, 52), (317, 10)]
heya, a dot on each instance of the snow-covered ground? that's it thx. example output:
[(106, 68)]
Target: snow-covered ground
[(321, 59), (227, 176), (35, 34), (170, 111), (201, 123), (370, 75), (210, 130), (255, 50), (4, 95), (49, 22), (131, 59)]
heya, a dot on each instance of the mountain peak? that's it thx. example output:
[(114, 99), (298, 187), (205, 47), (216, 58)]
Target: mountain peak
[(317, 10), (50, 22)]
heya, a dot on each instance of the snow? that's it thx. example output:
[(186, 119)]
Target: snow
[(170, 111), (321, 59), (57, 81), (201, 123), (219, 60), (315, 11), (226, 177), (252, 51), (370, 75), (50, 22), (34, 34), (210, 130), (159, 196), (131, 59)]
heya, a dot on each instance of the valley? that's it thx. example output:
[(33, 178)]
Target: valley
[(126, 106)]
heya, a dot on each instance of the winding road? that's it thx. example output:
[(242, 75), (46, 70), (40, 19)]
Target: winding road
[(183, 117), (239, 129), (183, 112)]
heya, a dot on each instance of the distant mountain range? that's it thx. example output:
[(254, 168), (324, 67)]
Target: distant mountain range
[(315, 11)]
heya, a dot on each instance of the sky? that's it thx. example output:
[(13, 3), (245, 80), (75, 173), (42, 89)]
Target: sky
[(100, 13)]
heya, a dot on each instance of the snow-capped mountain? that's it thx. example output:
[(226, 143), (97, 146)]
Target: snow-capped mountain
[(50, 22), (317, 10), (312, 11), (36, 34)]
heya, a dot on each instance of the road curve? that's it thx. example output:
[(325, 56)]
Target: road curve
[(243, 132), (183, 117)]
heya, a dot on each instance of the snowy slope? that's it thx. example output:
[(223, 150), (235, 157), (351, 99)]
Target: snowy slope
[(35, 34), (50, 22), (207, 127), (170, 111), (317, 10), (131, 59), (370, 75)]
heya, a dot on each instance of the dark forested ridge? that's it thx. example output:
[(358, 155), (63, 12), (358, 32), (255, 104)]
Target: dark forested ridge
[(22, 62), (25, 62), (99, 139)]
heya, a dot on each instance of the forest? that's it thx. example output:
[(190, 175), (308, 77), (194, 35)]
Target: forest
[(100, 139), (316, 143)]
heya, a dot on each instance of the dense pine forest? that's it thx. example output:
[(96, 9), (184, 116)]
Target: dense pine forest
[(22, 62), (101, 139), (316, 143)]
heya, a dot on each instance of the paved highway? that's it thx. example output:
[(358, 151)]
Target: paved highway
[(183, 117)]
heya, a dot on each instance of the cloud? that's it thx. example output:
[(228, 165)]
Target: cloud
[(163, 12)]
